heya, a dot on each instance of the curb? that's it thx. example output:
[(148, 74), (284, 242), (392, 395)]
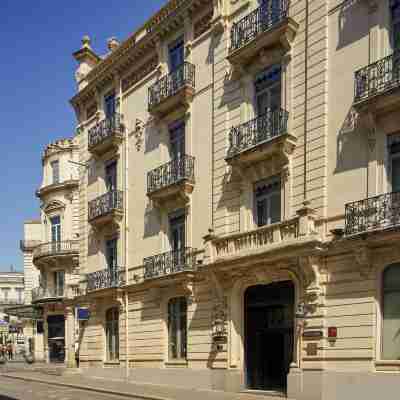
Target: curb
[(88, 388)]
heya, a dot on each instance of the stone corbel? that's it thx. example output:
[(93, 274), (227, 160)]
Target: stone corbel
[(138, 133), (311, 273), (209, 247), (306, 220), (188, 286), (363, 255)]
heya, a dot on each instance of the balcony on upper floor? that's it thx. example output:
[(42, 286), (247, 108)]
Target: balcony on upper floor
[(68, 184), (47, 295), (170, 263), (106, 209), (373, 214), (106, 135), (268, 26), (108, 278), (260, 138), (172, 181), (376, 86), (172, 92), (55, 252)]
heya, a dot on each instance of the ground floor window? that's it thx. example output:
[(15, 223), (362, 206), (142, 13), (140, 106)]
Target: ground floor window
[(391, 313), (177, 328), (112, 334)]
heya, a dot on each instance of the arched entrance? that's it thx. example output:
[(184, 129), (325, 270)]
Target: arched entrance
[(269, 335)]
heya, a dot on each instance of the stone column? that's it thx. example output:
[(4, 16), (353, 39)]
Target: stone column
[(70, 337)]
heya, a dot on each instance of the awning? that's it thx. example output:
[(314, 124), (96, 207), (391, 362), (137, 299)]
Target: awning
[(28, 312)]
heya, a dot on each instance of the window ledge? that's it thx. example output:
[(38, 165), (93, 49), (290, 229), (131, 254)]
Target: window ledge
[(177, 363), (106, 363)]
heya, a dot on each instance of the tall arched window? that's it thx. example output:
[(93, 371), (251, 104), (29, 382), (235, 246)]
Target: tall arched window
[(391, 313), (112, 334), (177, 327)]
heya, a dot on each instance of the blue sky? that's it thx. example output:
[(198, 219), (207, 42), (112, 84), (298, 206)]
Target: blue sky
[(37, 80)]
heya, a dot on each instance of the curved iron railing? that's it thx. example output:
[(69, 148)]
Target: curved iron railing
[(168, 263), (105, 278), (55, 248), (257, 131), (105, 129), (104, 204), (373, 213), (181, 168), (42, 293), (169, 84), (377, 78), (260, 20)]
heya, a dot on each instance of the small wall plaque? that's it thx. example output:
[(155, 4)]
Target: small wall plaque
[(312, 334), (312, 349)]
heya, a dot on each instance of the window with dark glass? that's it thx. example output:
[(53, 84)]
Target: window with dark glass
[(268, 90), (59, 279), (177, 139), (270, 11), (111, 176), (177, 328), (109, 105), (55, 171), (394, 153), (267, 197), (55, 223), (395, 21), (111, 254), (176, 54), (112, 334), (391, 313)]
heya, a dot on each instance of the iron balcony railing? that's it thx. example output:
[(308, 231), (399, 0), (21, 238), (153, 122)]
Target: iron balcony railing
[(257, 131), (181, 168), (168, 263), (105, 204), (373, 213), (170, 84), (104, 129), (105, 278), (260, 20), (377, 78), (43, 293), (56, 248)]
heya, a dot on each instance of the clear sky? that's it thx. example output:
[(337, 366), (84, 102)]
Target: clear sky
[(37, 80)]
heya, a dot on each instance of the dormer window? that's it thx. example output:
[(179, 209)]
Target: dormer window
[(267, 196)]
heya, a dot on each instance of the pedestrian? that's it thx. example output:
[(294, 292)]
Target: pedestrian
[(10, 351), (3, 350)]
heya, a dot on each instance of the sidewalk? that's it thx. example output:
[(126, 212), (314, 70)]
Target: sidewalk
[(130, 389)]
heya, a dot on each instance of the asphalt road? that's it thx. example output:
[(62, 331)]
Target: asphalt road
[(15, 389)]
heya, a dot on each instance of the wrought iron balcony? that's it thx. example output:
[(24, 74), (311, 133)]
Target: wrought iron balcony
[(105, 208), (371, 214), (377, 78), (173, 90), (106, 134), (176, 172), (47, 294), (257, 132), (54, 249), (171, 262), (105, 279), (260, 20)]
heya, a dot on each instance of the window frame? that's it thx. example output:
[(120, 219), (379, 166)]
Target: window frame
[(180, 338), (55, 172), (111, 325)]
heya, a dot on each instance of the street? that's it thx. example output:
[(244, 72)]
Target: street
[(13, 389)]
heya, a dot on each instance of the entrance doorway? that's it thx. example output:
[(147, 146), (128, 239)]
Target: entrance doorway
[(56, 338), (269, 335)]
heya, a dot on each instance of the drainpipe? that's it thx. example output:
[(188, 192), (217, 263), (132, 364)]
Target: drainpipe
[(126, 220)]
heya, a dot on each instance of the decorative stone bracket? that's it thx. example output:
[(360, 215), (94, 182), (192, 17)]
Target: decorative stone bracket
[(363, 258)]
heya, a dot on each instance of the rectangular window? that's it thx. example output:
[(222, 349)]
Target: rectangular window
[(111, 254), (394, 154), (177, 224), (177, 328), (267, 195), (177, 139), (55, 229), (395, 22), (6, 293), (59, 279), (55, 171), (268, 90), (111, 176), (176, 54), (20, 292), (109, 106)]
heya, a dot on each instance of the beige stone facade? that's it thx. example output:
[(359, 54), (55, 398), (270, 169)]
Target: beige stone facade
[(237, 213)]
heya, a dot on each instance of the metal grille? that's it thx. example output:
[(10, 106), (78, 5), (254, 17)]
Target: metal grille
[(105, 278), (104, 129), (373, 213), (170, 84), (257, 131), (54, 248), (105, 204), (168, 263), (377, 78), (260, 20), (181, 168), (41, 293)]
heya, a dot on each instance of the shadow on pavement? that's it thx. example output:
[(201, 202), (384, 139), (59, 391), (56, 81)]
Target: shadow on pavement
[(7, 398)]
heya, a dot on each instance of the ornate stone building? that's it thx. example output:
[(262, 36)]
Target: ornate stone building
[(238, 202)]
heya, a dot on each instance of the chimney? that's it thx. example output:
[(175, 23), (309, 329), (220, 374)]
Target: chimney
[(112, 44), (87, 60)]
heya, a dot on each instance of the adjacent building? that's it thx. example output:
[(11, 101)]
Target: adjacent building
[(233, 201)]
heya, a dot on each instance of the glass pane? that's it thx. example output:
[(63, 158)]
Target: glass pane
[(261, 212), (55, 167), (275, 208), (396, 174), (109, 106), (391, 326)]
